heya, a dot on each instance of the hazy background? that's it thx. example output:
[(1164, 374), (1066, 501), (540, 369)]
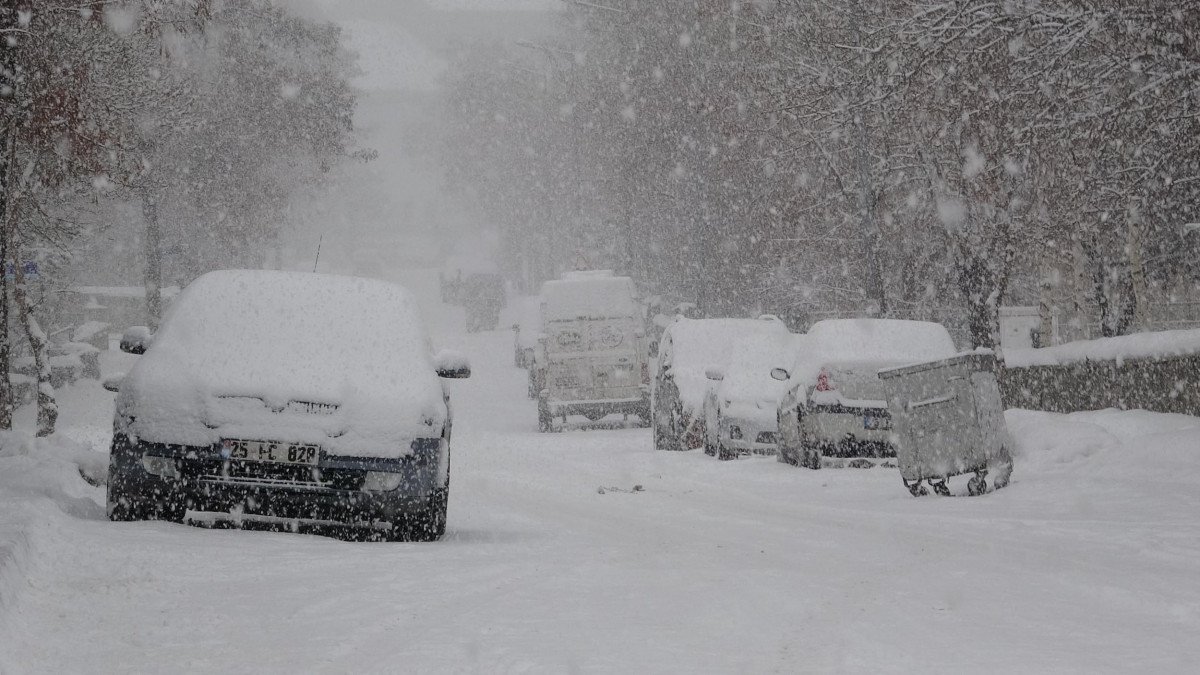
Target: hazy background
[(395, 211)]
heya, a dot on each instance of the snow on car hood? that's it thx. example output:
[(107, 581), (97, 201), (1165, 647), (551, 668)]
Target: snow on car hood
[(286, 356), (748, 378)]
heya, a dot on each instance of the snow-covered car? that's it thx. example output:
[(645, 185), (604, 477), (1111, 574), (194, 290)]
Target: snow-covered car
[(286, 397), (740, 409), (483, 296), (689, 348), (457, 269), (835, 405), (592, 358)]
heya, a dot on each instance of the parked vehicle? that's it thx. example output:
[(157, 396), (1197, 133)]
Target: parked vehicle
[(483, 295), (527, 330), (592, 358), (306, 398), (740, 409), (835, 405), (457, 269), (948, 420), (688, 349)]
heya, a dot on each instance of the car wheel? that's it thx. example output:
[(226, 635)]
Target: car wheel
[(664, 439), (810, 455), (724, 453), (643, 414), (123, 506), (429, 524)]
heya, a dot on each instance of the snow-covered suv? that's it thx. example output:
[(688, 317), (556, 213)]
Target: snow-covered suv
[(292, 397)]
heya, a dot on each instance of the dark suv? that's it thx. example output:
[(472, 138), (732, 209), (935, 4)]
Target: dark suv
[(286, 398)]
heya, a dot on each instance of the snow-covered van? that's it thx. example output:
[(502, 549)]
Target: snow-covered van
[(286, 397), (593, 357), (836, 406)]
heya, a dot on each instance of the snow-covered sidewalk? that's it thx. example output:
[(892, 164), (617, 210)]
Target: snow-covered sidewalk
[(1087, 562)]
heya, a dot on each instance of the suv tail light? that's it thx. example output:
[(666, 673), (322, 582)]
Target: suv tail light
[(823, 383)]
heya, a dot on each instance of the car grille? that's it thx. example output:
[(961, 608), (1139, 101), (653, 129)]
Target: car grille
[(269, 473)]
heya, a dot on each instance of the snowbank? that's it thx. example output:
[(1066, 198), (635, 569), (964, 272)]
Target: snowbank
[(41, 482), (1153, 345)]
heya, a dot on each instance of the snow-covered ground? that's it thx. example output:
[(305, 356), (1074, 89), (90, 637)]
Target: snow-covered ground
[(1088, 562)]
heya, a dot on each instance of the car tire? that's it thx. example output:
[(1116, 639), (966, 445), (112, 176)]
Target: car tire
[(428, 524), (810, 456), (644, 414), (664, 439), (122, 506), (725, 454), (545, 418)]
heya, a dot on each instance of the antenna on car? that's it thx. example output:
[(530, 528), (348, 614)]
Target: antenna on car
[(318, 258)]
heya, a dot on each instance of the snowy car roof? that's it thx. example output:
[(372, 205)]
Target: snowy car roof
[(700, 343), (280, 335), (884, 340), (589, 297)]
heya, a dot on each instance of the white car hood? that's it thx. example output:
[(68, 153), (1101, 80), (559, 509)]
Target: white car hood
[(185, 408)]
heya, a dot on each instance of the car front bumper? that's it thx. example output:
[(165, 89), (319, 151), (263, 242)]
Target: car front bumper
[(332, 491), (755, 436)]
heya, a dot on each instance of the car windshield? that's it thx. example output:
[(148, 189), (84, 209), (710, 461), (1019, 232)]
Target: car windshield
[(599, 297), (270, 330)]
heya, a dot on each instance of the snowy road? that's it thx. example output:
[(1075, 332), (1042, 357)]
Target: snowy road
[(1088, 562)]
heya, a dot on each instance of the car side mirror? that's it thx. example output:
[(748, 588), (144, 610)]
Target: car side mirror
[(780, 374), (715, 374), (113, 382), (136, 340), (452, 365)]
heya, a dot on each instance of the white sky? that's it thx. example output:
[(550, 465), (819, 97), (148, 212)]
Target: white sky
[(392, 37)]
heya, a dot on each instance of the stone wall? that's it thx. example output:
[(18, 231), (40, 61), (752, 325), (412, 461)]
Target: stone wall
[(1170, 385)]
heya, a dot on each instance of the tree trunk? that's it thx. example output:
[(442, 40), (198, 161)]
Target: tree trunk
[(1046, 306), (1079, 286), (153, 255), (1137, 269), (7, 402), (39, 343), (982, 315)]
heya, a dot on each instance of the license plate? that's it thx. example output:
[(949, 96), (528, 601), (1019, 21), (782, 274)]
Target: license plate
[(268, 451), (872, 423)]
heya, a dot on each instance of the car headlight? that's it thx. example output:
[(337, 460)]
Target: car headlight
[(382, 481), (163, 467)]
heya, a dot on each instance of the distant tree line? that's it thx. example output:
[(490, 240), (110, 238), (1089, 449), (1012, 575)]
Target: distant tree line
[(184, 125), (906, 158)]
